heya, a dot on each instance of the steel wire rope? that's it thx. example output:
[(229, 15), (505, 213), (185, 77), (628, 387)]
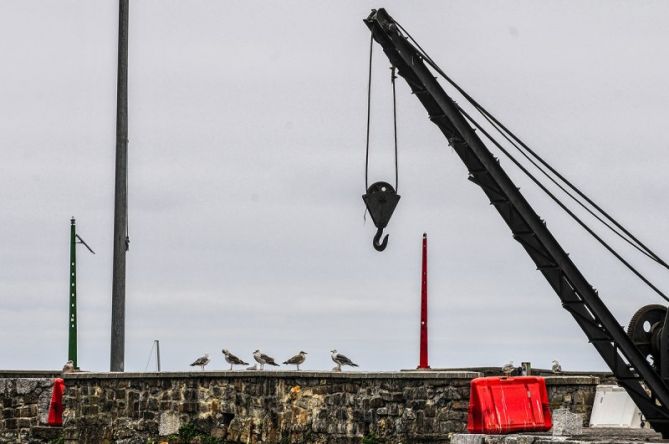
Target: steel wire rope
[(630, 239), (148, 361), (562, 205), (369, 103), (392, 80), (369, 106), (497, 124), (568, 193)]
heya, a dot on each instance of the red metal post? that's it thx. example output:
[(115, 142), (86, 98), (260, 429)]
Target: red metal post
[(423, 309)]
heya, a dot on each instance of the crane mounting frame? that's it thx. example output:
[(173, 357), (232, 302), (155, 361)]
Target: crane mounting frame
[(630, 367)]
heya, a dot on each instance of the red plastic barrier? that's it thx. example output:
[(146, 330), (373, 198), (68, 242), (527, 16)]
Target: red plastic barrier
[(56, 406), (507, 405)]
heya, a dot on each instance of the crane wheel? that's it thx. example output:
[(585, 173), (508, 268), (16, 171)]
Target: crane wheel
[(644, 329)]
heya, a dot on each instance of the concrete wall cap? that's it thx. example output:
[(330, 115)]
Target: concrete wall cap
[(571, 380), (253, 374)]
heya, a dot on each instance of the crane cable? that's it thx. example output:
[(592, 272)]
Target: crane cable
[(369, 112), (369, 109), (392, 80), (564, 207), (508, 135), (646, 252)]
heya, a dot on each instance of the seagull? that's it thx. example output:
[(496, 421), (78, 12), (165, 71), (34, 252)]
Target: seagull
[(557, 368), (201, 361), (508, 368), (232, 359), (297, 359), (263, 359), (68, 367), (340, 360)]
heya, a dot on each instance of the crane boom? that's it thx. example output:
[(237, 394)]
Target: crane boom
[(578, 297)]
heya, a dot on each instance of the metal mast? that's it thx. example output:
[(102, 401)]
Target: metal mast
[(72, 318), (158, 354), (121, 239), (423, 309)]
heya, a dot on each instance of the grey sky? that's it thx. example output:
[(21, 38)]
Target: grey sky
[(247, 125)]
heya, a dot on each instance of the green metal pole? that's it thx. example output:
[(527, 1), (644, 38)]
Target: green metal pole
[(72, 320)]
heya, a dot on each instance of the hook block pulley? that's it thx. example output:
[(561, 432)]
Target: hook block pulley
[(380, 200)]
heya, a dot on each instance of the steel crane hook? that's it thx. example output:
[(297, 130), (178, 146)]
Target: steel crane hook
[(377, 238)]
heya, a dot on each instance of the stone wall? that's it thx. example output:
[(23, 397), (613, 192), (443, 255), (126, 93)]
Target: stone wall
[(253, 407), (24, 405), (281, 407), (267, 407), (575, 393)]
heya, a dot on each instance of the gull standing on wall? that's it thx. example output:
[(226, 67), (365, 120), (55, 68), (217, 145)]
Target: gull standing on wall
[(201, 361), (557, 368), (263, 359), (232, 359), (508, 368), (340, 360), (297, 359), (68, 367)]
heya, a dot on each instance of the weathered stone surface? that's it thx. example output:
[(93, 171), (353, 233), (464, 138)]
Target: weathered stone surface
[(567, 423), (588, 436), (169, 423), (255, 407), (473, 438), (267, 407), (575, 393), (24, 405), (25, 386)]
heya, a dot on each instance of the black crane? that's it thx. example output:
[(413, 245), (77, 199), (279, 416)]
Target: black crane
[(626, 354)]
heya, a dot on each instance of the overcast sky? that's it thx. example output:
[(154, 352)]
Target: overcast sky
[(246, 170)]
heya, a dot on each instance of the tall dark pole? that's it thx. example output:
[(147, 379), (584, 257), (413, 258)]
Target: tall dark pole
[(121, 197), (72, 319), (158, 353)]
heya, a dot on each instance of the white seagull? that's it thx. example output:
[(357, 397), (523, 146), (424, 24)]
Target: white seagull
[(232, 359), (508, 368), (201, 361), (263, 359), (557, 368), (297, 359), (340, 360), (68, 367)]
